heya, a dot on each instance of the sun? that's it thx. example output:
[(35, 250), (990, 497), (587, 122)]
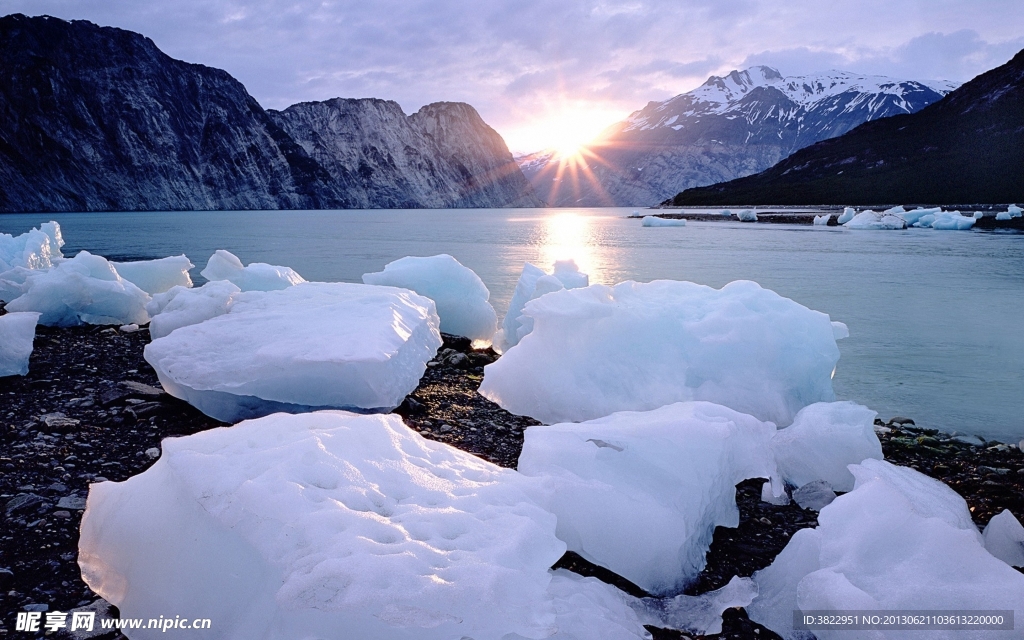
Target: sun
[(564, 130)]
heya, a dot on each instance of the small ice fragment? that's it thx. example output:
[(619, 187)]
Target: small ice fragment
[(768, 495), (815, 495), (747, 215), (17, 333), (1003, 215), (1004, 538), (257, 276), (847, 215), (1013, 210), (128, 328), (822, 220), (701, 614), (840, 330), (156, 276)]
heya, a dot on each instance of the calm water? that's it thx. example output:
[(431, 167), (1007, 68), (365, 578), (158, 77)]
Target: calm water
[(935, 317)]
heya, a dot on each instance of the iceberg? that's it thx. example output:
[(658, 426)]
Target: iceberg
[(655, 221), (633, 347), (257, 276), (312, 345), (899, 541), (17, 332), (640, 493), (35, 250), (156, 276), (1004, 538), (83, 290), (1014, 211), (946, 221), (747, 215), (533, 283), (460, 295), (847, 215), (874, 220), (181, 306), (912, 217), (330, 525), (824, 438), (1003, 215), (822, 220)]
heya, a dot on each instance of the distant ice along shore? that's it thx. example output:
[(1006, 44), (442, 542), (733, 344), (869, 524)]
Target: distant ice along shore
[(340, 496)]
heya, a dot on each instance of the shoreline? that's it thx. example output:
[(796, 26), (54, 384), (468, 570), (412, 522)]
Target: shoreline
[(803, 216), (91, 408)]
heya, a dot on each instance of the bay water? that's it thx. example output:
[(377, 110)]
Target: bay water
[(936, 318)]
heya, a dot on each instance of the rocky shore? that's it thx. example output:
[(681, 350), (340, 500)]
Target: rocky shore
[(91, 409)]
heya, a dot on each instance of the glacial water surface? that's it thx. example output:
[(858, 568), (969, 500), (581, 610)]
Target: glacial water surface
[(935, 317)]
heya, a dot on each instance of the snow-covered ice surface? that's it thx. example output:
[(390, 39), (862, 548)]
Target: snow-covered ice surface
[(181, 306), (256, 276), (156, 276), (83, 290), (460, 295), (701, 614), (638, 346), (899, 541), (1004, 538), (312, 345), (17, 331), (655, 221), (747, 215), (641, 493), (824, 438), (331, 525), (588, 609), (533, 283), (20, 255)]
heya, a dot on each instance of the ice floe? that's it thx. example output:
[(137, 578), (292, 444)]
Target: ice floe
[(85, 289), (533, 283), (312, 345), (332, 524), (655, 221), (256, 276), (597, 350), (461, 297), (874, 220), (641, 493), (899, 541), (156, 276), (1004, 538), (17, 331)]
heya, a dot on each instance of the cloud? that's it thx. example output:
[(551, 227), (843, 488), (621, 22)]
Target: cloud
[(519, 61)]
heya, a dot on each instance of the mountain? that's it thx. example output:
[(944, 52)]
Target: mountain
[(966, 148), (728, 127), (97, 118), (444, 155)]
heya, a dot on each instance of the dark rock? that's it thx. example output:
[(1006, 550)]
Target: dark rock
[(900, 420), (22, 503), (6, 578), (141, 389)]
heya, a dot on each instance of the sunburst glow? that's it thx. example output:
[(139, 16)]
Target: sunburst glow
[(563, 129)]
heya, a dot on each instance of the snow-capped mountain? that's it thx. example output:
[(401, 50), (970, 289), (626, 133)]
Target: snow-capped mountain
[(729, 127)]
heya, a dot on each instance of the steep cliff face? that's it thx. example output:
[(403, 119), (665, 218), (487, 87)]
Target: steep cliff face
[(728, 127), (95, 118), (98, 118), (966, 148), (443, 156)]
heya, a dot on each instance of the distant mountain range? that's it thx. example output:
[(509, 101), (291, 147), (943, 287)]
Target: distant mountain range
[(966, 148), (97, 118), (728, 127)]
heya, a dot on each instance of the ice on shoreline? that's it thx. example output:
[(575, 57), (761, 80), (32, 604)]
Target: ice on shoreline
[(899, 541), (34, 250), (633, 347), (312, 345), (181, 306), (156, 276), (747, 215), (17, 332), (533, 283), (899, 218), (460, 295), (1004, 538), (641, 493), (256, 276), (655, 221)]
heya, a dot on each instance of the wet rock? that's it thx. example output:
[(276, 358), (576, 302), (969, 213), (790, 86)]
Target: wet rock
[(900, 420), (23, 503), (6, 578), (73, 502), (141, 389), (58, 421), (814, 495)]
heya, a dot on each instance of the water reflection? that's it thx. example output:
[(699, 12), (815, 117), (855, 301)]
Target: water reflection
[(572, 235)]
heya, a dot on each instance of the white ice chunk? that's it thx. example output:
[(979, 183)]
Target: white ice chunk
[(460, 295), (533, 283), (847, 215), (824, 438), (85, 289), (257, 276), (768, 495), (747, 215), (912, 217), (38, 249), (316, 344), (1014, 211), (701, 614), (324, 525), (635, 346), (1004, 538), (588, 609), (947, 221), (156, 276), (655, 221), (840, 330), (641, 493), (814, 495), (1003, 215), (822, 220), (17, 331), (875, 220), (181, 306), (978, 215), (899, 541)]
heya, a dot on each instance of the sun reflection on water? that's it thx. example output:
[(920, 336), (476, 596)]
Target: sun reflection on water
[(570, 235)]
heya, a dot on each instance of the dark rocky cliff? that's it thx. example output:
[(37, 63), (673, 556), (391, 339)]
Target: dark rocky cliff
[(96, 118)]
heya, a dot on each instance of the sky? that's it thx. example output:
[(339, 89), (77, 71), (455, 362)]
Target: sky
[(542, 72)]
